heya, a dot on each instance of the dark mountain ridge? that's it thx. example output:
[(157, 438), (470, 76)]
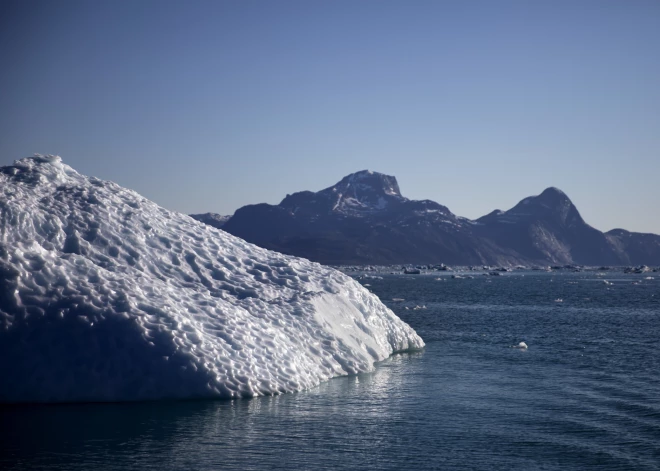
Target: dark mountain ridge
[(549, 228), (364, 219)]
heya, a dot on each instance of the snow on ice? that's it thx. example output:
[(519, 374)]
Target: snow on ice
[(105, 296)]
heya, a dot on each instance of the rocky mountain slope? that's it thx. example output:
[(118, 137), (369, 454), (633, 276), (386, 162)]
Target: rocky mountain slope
[(364, 219)]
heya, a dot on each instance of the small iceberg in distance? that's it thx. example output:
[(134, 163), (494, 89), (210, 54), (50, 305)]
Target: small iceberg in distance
[(105, 296), (521, 345)]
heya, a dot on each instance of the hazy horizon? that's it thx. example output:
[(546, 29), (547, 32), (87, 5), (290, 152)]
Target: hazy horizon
[(209, 106)]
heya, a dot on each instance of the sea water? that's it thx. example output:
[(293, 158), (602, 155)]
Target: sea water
[(585, 394)]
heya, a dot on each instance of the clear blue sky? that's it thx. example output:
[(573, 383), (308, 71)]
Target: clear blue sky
[(208, 106)]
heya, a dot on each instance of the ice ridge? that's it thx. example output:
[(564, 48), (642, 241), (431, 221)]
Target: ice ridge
[(105, 296)]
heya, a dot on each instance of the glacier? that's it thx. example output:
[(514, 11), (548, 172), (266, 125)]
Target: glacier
[(105, 296)]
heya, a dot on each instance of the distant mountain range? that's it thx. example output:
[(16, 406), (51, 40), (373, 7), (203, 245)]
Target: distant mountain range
[(364, 219)]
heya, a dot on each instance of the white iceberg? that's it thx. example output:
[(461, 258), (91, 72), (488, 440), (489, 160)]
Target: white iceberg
[(105, 296)]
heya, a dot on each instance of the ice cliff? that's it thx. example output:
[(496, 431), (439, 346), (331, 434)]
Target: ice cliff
[(105, 296)]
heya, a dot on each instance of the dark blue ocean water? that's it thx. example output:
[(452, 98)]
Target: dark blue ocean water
[(584, 395)]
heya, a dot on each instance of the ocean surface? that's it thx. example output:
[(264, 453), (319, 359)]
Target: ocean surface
[(585, 394)]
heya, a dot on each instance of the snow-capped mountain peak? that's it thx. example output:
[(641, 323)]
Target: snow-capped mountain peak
[(363, 192), (363, 218), (369, 181)]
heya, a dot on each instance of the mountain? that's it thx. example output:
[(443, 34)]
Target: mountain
[(636, 248), (364, 219), (212, 219), (105, 296), (548, 228)]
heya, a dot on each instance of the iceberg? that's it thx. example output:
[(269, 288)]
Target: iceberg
[(105, 296)]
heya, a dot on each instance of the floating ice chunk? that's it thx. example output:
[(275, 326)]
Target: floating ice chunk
[(105, 296), (521, 345)]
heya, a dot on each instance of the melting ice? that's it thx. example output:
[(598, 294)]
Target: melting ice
[(105, 296)]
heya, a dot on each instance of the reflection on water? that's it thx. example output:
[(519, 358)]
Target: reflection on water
[(211, 434), (585, 395)]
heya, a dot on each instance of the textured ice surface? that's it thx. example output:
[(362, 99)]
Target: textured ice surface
[(105, 296)]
